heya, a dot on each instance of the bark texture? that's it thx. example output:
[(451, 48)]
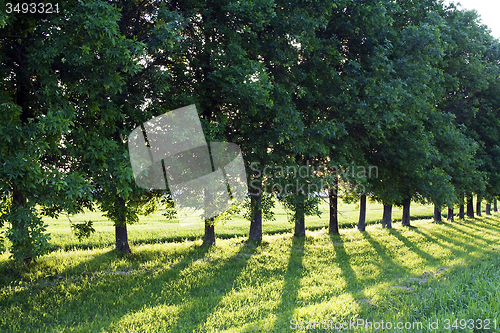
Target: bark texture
[(362, 213), (450, 217), (437, 214), (488, 209), (387, 217), (300, 227), (470, 206), (209, 237), (478, 205), (121, 239), (406, 212), (121, 234), (256, 222), (333, 227)]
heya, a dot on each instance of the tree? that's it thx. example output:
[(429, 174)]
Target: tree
[(469, 72), (430, 148), (488, 209), (121, 94), (359, 33), (317, 94), (36, 115), (267, 128), (450, 216), (485, 124), (333, 225), (228, 66), (456, 158)]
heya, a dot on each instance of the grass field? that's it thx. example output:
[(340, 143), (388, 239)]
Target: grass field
[(156, 229), (444, 275)]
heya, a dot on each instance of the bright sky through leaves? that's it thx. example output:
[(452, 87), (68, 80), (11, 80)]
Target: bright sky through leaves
[(489, 11)]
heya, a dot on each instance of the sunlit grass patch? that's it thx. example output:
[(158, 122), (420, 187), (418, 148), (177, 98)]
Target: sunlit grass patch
[(157, 229), (425, 272)]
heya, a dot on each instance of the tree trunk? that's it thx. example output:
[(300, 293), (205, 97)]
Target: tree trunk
[(256, 213), (121, 239), (461, 213), (478, 205), (362, 213), (300, 227), (488, 209), (333, 227), (209, 238), (406, 212), (495, 208), (470, 206), (300, 224), (449, 217), (387, 217), (19, 202), (437, 214), (121, 235)]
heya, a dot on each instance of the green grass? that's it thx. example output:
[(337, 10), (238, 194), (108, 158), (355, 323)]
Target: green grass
[(424, 273), (156, 229)]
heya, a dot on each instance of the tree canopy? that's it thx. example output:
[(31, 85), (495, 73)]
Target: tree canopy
[(411, 87)]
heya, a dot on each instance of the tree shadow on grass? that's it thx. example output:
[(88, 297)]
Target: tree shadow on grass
[(95, 291), (45, 271), (387, 261), (222, 282), (11, 271), (291, 285), (411, 246), (489, 220), (456, 252), (457, 248), (342, 259), (417, 217), (492, 221), (354, 286), (471, 228)]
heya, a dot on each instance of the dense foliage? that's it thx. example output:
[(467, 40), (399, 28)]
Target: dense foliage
[(410, 87)]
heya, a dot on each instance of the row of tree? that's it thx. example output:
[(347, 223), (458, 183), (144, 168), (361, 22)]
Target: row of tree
[(409, 86)]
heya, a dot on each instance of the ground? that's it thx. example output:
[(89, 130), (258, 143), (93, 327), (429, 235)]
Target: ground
[(429, 274)]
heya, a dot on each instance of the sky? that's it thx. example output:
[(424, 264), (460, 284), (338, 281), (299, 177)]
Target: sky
[(489, 11)]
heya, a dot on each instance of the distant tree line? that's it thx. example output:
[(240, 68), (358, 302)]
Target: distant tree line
[(411, 87)]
